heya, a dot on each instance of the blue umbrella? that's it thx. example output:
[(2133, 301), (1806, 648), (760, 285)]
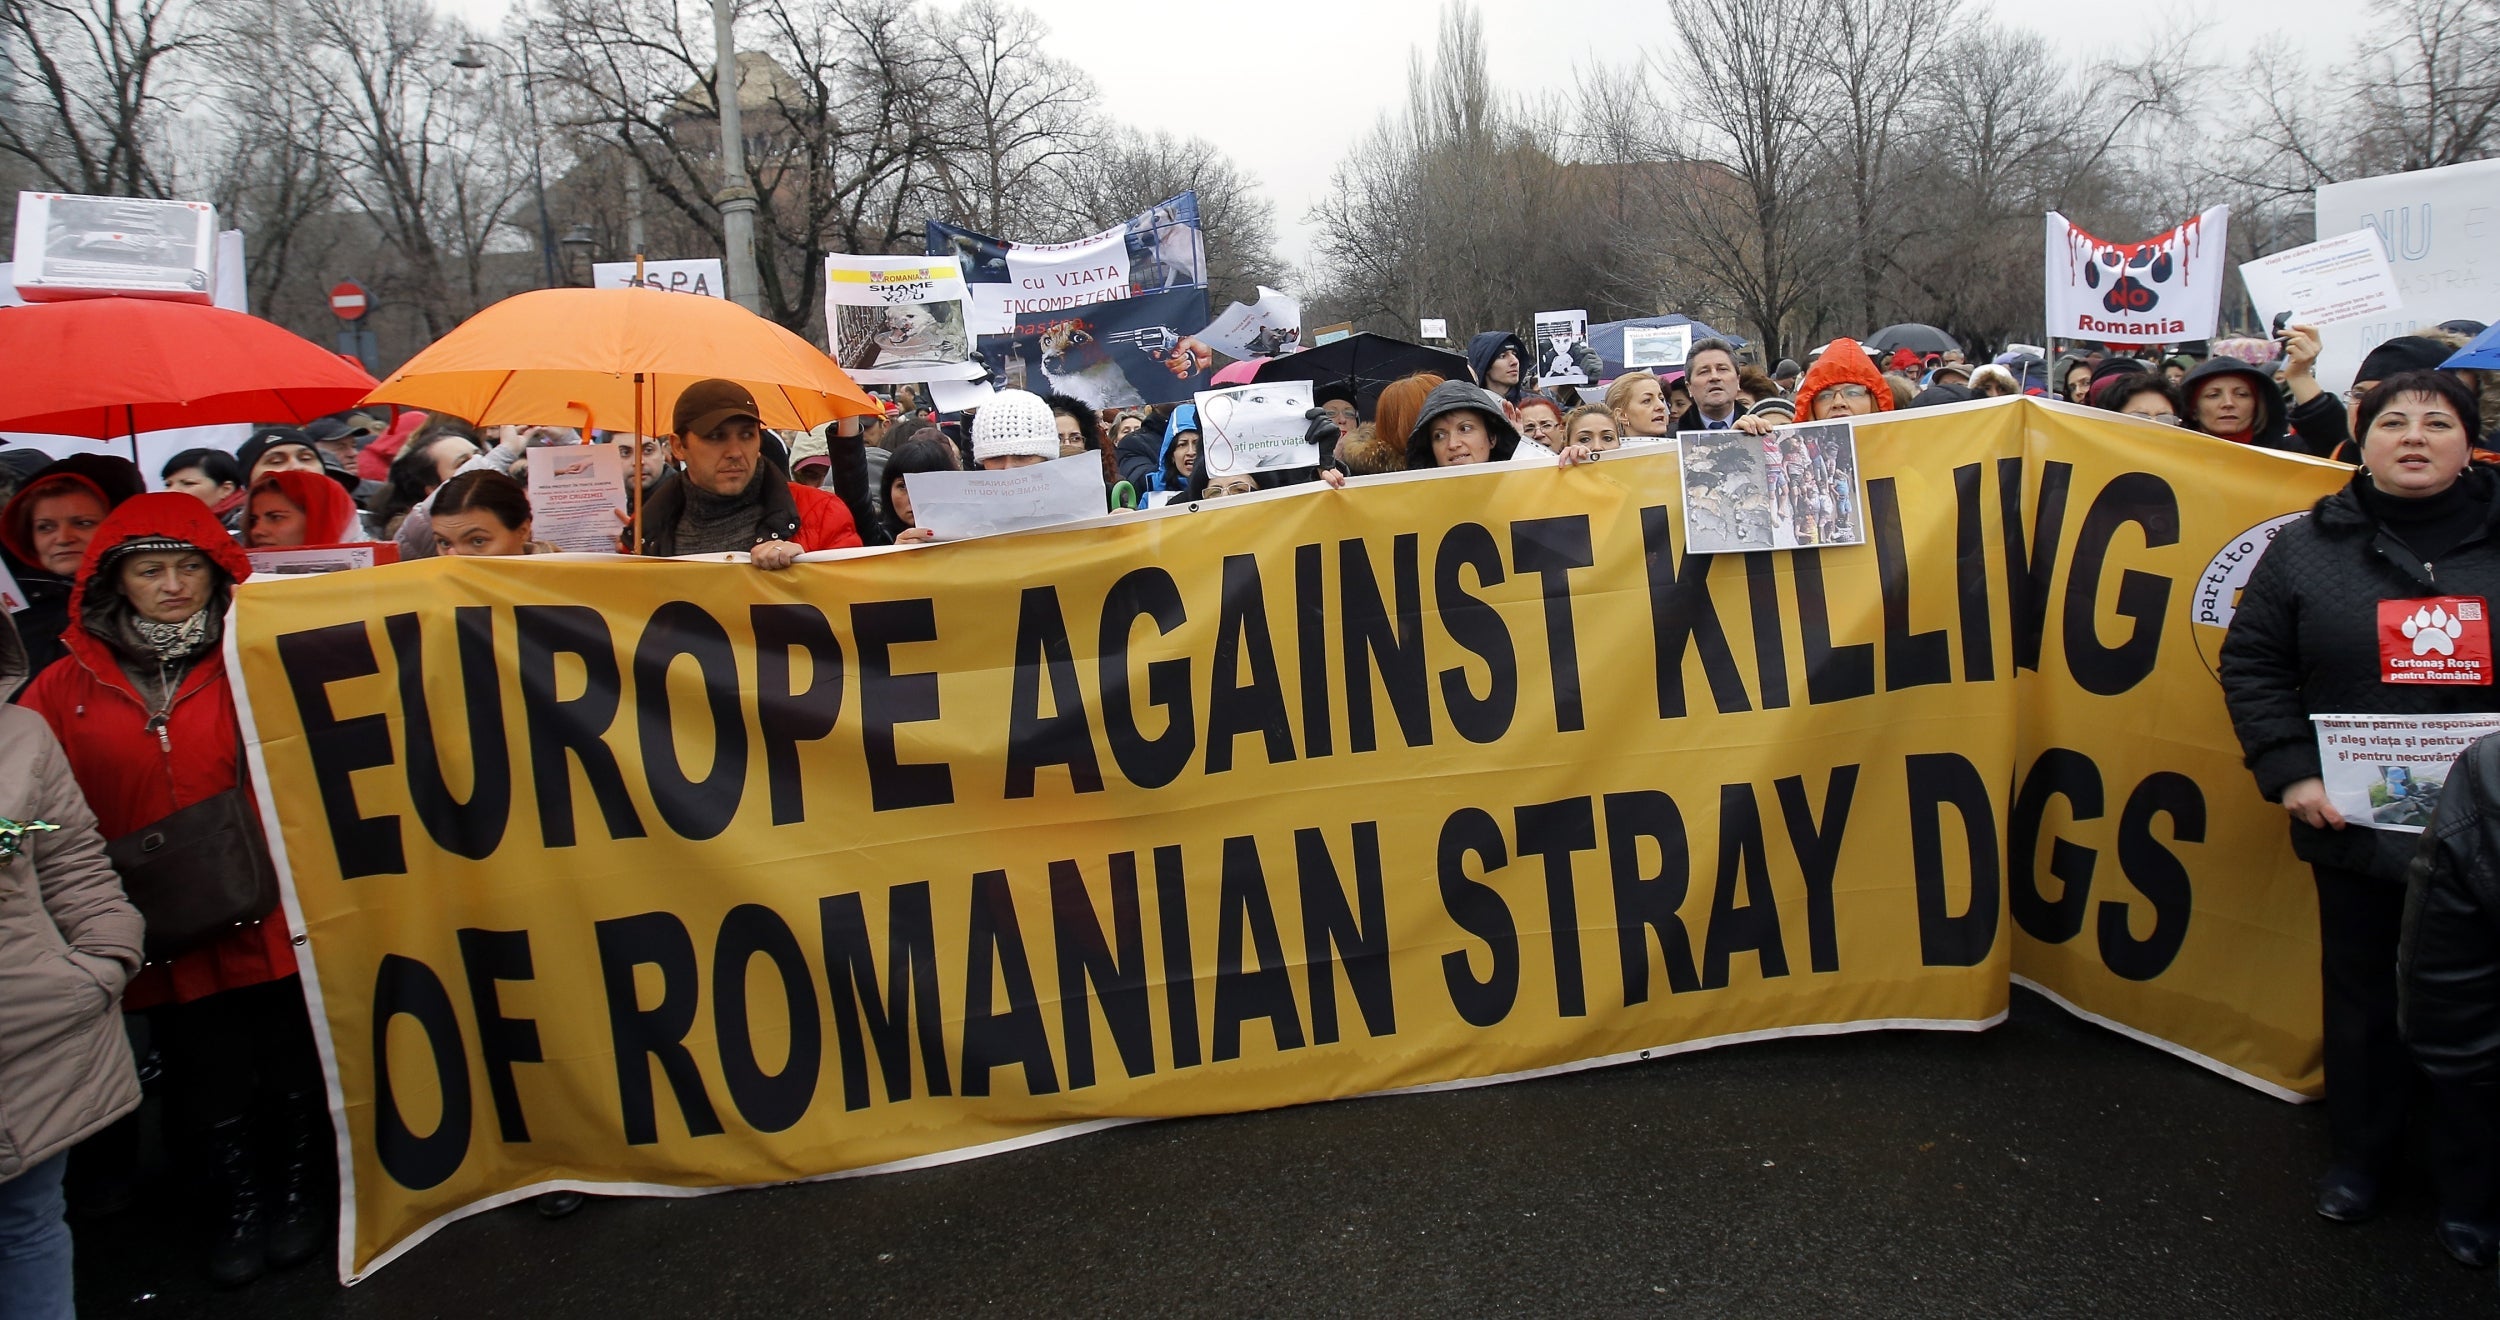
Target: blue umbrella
[(1607, 338), (2483, 353)]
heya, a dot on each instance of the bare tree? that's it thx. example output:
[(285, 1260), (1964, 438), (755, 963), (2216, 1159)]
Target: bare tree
[(268, 165), (1878, 56), (85, 111), (2427, 94), (1461, 207), (836, 99), (1752, 95), (1005, 118), (435, 165)]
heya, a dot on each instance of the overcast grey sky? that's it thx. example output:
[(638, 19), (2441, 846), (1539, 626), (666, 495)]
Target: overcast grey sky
[(1285, 86)]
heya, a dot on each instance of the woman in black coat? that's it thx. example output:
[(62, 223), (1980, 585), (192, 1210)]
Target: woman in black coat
[(2320, 631)]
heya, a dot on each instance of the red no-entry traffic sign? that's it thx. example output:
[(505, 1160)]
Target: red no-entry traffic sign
[(349, 301)]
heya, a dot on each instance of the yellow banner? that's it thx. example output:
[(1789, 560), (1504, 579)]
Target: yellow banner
[(677, 876)]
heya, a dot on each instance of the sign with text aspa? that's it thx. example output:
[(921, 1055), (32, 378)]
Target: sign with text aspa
[(2163, 290), (2441, 229), (1159, 248), (698, 275)]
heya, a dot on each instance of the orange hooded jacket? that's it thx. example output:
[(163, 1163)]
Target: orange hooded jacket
[(1844, 363)]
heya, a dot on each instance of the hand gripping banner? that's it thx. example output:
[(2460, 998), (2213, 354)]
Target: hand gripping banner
[(667, 877)]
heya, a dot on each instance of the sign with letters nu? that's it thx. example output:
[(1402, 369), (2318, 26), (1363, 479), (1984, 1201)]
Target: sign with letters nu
[(660, 877)]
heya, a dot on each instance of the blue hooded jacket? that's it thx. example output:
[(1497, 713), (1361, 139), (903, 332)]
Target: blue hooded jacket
[(1487, 346), (1167, 477)]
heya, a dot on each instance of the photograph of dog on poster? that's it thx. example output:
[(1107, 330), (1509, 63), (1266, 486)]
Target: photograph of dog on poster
[(1793, 489), (924, 334)]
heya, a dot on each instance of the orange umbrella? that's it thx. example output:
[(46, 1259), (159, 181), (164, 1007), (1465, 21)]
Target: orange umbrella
[(574, 357)]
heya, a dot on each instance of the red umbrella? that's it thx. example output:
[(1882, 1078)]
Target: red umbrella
[(108, 367)]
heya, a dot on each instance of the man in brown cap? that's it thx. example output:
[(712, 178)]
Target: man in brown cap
[(725, 497)]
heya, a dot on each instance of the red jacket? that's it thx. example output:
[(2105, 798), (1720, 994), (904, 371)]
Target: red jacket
[(131, 776), (824, 520)]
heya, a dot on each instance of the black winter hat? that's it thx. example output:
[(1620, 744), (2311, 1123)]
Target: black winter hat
[(2401, 354), (268, 438)]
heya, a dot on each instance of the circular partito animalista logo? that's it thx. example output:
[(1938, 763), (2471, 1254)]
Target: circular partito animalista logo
[(2218, 588)]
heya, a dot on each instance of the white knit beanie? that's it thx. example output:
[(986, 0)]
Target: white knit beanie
[(1014, 422)]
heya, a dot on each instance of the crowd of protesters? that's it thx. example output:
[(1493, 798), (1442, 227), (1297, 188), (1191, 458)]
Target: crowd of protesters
[(124, 713)]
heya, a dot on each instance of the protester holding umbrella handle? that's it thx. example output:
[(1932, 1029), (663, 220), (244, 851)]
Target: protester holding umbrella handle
[(2419, 521), (725, 497)]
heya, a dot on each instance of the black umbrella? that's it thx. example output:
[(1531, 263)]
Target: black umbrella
[(1366, 362), (1912, 336)]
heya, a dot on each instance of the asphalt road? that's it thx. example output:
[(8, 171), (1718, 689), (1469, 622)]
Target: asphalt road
[(2047, 1168)]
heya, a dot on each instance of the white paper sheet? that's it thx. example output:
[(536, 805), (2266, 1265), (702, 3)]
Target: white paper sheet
[(894, 320), (2344, 278), (576, 492), (2384, 772), (1256, 428), (957, 505), (295, 561), (1271, 327)]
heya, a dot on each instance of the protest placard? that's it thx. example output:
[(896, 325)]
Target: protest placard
[(1159, 248), (576, 491), (1435, 327), (2436, 228), (1793, 489), (2384, 772), (1117, 354), (1256, 428), (2164, 289), (2331, 281), (1271, 327), (69, 246), (1563, 356), (696, 275), (956, 506), (954, 396), (1655, 347), (302, 560), (892, 321)]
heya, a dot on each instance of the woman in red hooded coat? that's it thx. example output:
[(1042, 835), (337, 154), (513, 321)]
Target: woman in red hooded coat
[(143, 707), (300, 508)]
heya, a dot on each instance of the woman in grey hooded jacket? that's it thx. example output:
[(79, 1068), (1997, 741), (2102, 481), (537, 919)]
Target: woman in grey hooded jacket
[(69, 942)]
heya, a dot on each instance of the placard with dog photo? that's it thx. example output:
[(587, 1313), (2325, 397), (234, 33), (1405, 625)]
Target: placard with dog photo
[(1796, 488), (1120, 354), (1157, 249), (892, 322)]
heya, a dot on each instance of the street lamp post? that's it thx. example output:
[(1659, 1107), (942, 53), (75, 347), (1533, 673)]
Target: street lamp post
[(737, 192), (468, 59)]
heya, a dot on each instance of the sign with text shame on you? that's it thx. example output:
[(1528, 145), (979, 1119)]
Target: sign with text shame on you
[(1446, 778)]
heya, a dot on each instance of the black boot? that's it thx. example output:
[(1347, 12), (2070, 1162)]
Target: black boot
[(238, 1231), (300, 1202)]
